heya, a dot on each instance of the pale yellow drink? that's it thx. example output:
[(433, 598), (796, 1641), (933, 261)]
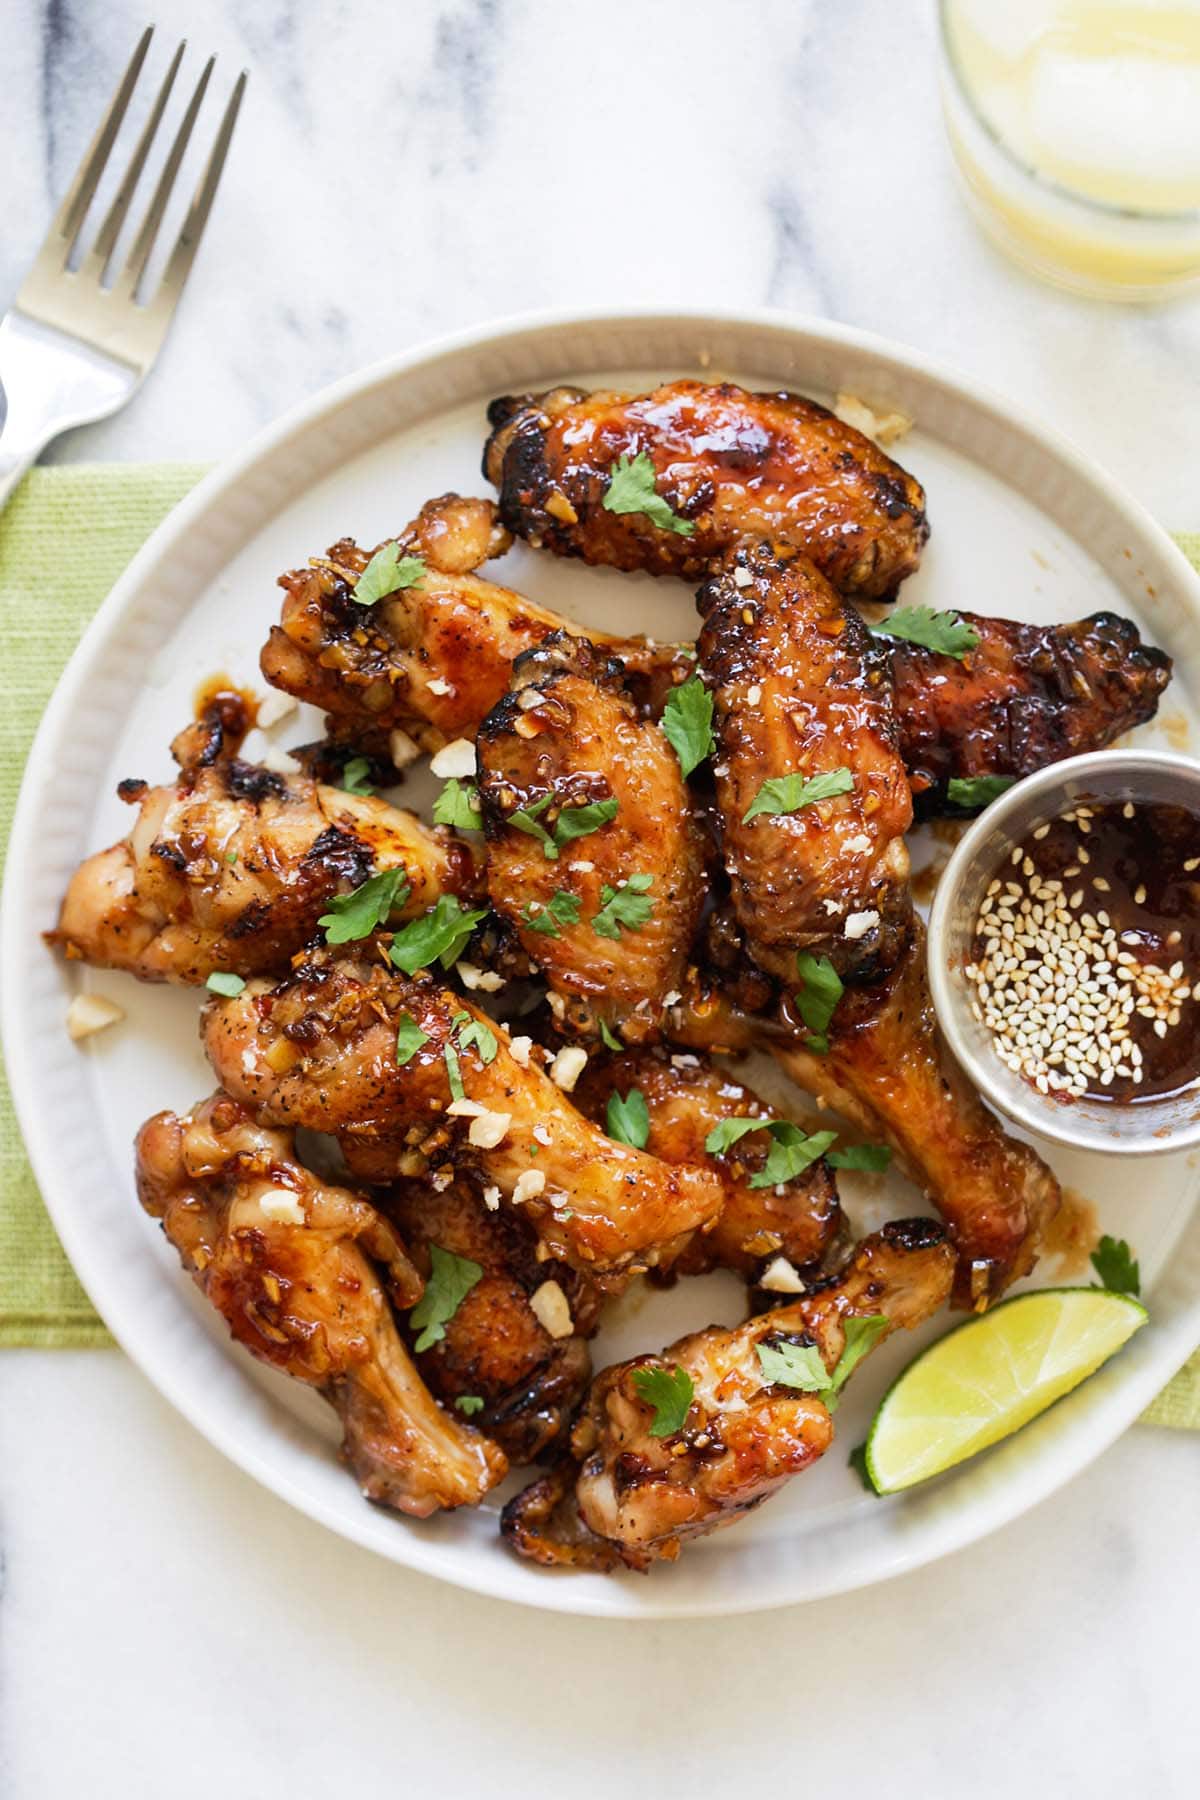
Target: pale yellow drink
[(1076, 124)]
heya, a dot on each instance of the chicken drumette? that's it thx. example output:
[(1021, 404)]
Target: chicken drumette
[(321, 1050), (635, 1492), (729, 464), (609, 915), (231, 867), (290, 1263)]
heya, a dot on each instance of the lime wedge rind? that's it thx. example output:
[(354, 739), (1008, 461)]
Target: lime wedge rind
[(991, 1375)]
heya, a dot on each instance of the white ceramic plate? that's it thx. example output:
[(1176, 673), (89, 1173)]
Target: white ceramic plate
[(1022, 525)]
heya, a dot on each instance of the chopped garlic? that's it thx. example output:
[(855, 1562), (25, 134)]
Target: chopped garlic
[(456, 759), (278, 761), (753, 695), (832, 906), (274, 708), (530, 1183), (673, 998), (282, 1205), (486, 1131), (519, 1048), (885, 428), (859, 923), (401, 748), (528, 698), (491, 1198), (568, 1066), (779, 1277), (89, 1013), (541, 1135), (742, 577), (465, 1109), (582, 868), (549, 1305), (485, 979), (440, 686), (861, 843)]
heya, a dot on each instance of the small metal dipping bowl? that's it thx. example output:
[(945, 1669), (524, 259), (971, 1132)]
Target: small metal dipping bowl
[(1141, 1128)]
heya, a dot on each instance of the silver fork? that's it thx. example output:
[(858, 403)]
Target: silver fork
[(71, 348)]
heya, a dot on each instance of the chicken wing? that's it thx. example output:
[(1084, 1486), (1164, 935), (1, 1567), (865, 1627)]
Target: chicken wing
[(801, 697), (728, 463), (321, 1050), (1023, 697), (496, 1349), (889, 1070), (288, 1262), (640, 1495), (685, 1098), (232, 866), (431, 659), (609, 916)]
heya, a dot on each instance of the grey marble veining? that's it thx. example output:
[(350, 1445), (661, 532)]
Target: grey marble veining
[(403, 168)]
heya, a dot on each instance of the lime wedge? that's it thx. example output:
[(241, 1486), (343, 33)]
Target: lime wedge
[(992, 1375)]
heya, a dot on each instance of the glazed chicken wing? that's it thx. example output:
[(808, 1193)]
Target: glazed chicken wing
[(801, 695), (685, 1098), (889, 1070), (321, 1050), (431, 659), (609, 915), (288, 1261), (1024, 697), (232, 866), (639, 1496), (730, 464), (496, 1349)]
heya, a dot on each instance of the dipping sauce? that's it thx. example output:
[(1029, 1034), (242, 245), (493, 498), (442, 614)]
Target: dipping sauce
[(1086, 954)]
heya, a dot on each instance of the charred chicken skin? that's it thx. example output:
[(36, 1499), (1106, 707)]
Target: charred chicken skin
[(889, 1070), (638, 1496), (801, 695), (431, 659), (496, 1349), (566, 739), (320, 1050), (685, 1098), (298, 1269), (1024, 697), (730, 464), (231, 867)]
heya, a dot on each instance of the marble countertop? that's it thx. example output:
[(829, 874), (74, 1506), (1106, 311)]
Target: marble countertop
[(400, 171)]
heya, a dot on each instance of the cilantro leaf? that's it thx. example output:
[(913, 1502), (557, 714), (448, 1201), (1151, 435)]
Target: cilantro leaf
[(802, 1366), (561, 909), (727, 1132), (796, 1366), (821, 990), (976, 790), (789, 793), (624, 908), (386, 573), (944, 632), (409, 1038), (440, 935), (687, 723), (628, 1120), (451, 1279), (579, 821), (791, 1153), (458, 805), (526, 819), (354, 776), (453, 1073), (857, 1460), (469, 1404), (631, 489), (1113, 1262), (356, 915), (221, 981), (860, 1156), (474, 1034), (670, 1393), (608, 1038)]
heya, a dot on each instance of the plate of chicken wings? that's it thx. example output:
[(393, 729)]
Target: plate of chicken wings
[(491, 821)]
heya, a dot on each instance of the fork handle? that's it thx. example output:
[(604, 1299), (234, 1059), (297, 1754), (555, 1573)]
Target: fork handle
[(51, 382), (14, 462)]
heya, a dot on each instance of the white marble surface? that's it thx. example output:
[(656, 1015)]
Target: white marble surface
[(401, 170)]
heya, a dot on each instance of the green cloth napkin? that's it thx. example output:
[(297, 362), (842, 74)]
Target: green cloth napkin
[(67, 534)]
